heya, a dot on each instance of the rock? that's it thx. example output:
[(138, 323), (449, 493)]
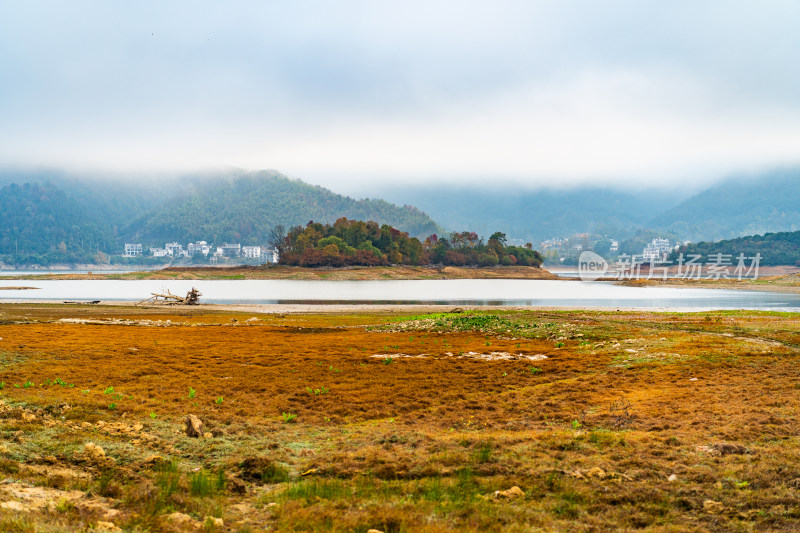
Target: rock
[(214, 522), (252, 319), (374, 531), (94, 453), (194, 426), (673, 477), (137, 427), (15, 506), (153, 460), (510, 494), (106, 527), (714, 507), (96, 508), (236, 485), (36, 498), (183, 521), (28, 417)]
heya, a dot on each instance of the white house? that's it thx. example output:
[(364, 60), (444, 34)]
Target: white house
[(657, 251), (232, 250), (270, 255), (132, 250), (173, 248), (251, 252), (159, 252), (198, 248)]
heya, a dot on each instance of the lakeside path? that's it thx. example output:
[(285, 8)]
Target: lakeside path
[(485, 420)]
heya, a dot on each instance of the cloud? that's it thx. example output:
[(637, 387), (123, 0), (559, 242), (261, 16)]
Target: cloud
[(349, 92)]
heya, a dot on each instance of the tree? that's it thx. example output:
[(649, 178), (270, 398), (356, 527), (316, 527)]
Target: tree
[(277, 238)]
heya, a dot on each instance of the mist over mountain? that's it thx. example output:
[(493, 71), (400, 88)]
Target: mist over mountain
[(245, 206), (537, 215), (735, 207), (51, 216)]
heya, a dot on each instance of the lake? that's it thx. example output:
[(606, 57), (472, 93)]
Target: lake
[(462, 291)]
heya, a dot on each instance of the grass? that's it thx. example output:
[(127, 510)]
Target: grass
[(420, 446)]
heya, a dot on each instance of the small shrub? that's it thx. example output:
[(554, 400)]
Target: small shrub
[(200, 484), (112, 406), (274, 473), (192, 393), (109, 390), (218, 400), (288, 417), (484, 453)]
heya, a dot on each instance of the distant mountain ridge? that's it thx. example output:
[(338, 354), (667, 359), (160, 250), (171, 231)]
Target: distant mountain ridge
[(536, 215), (736, 207)]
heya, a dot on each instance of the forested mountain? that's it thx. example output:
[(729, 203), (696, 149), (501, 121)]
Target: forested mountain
[(536, 215), (244, 208), (50, 217), (775, 248), (768, 202), (41, 219)]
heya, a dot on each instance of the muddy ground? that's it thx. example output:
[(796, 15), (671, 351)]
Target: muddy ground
[(398, 421)]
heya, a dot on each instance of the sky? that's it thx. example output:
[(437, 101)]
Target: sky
[(350, 94)]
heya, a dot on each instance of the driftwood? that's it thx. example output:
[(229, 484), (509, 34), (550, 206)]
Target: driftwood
[(192, 298)]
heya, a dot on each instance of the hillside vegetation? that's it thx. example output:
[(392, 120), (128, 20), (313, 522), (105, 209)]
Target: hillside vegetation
[(775, 248), (353, 242), (246, 208), (64, 220)]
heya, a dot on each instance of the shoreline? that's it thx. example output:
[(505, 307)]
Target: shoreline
[(282, 272), (356, 308)]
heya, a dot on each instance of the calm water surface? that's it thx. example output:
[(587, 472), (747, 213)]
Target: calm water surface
[(475, 292)]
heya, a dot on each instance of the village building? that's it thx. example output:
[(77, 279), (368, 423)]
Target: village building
[(232, 250), (132, 250), (198, 248), (251, 252), (657, 251), (270, 255)]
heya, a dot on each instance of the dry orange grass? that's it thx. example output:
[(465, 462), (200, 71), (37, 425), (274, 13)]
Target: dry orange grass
[(639, 396)]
